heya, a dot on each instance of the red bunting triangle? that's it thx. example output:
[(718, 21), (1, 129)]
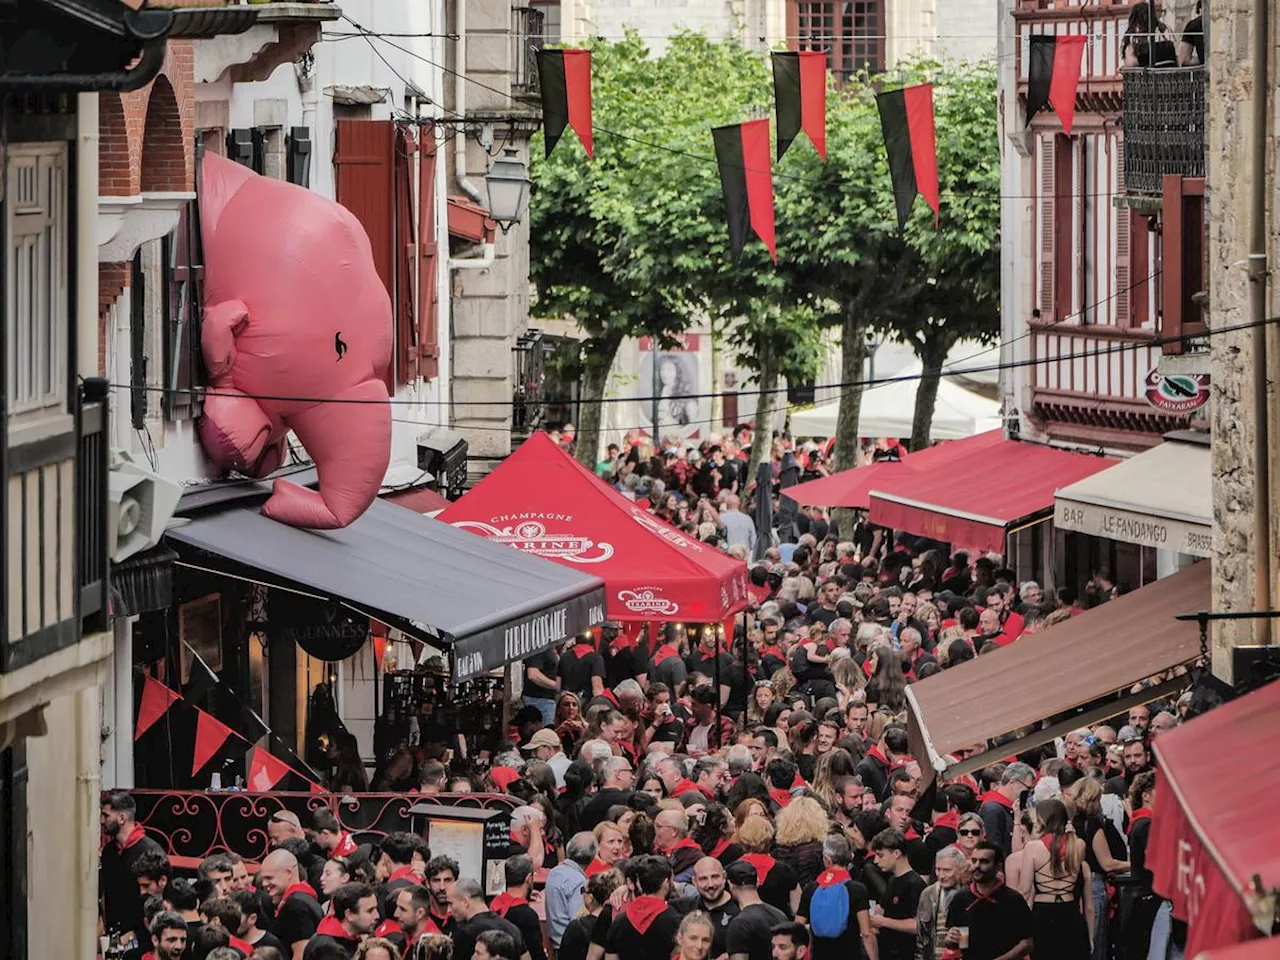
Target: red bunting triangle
[(211, 734), (156, 699), (265, 771), (315, 787)]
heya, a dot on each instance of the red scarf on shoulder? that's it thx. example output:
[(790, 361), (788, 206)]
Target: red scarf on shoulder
[(1142, 813), (504, 902), (135, 836), (583, 650), (829, 878), (642, 911), (781, 797), (306, 888), (995, 796), (664, 652), (762, 862)]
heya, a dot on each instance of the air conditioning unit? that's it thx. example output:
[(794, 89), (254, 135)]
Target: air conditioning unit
[(140, 504)]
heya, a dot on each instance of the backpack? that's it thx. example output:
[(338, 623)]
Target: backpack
[(829, 911)]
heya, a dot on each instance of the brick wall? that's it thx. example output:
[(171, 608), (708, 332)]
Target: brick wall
[(112, 280), (147, 135)]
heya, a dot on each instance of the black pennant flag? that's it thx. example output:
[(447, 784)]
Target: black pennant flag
[(800, 97), (1053, 75), (910, 139), (746, 178), (565, 79)]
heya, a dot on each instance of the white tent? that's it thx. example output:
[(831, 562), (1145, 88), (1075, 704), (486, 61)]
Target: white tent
[(887, 410)]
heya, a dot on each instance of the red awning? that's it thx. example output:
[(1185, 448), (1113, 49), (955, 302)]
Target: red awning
[(852, 488), (541, 500), (1215, 826), (418, 499), (1264, 948), (975, 497)]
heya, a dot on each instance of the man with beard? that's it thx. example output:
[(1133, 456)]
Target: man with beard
[(354, 917), (442, 874), (298, 912), (168, 936), (412, 913), (849, 791), (997, 920), (1136, 760), (712, 899), (127, 843)]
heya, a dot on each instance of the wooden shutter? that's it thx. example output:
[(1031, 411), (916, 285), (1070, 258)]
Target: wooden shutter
[(182, 289), (1048, 224), (1068, 200), (428, 265), (1123, 252), (406, 329), (364, 160), (240, 146), (1182, 262), (138, 344)]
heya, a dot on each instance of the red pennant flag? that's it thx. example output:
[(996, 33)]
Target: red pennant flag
[(565, 79), (800, 96), (728, 627), (746, 179), (265, 771), (315, 787), (1053, 76), (156, 699), (379, 650), (910, 139), (211, 734)]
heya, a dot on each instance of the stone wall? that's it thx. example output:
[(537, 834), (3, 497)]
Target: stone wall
[(1230, 136)]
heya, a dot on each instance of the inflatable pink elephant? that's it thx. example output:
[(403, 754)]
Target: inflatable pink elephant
[(295, 318)]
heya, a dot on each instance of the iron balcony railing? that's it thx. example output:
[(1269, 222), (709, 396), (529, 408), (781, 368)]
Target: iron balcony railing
[(527, 28), (1164, 126)]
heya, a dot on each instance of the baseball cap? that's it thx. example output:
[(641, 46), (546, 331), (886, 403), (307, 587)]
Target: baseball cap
[(542, 738)]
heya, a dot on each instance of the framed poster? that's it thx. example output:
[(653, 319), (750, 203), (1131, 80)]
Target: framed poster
[(200, 632)]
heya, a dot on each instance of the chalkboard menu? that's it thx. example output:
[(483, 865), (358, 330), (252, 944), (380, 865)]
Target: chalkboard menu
[(479, 840)]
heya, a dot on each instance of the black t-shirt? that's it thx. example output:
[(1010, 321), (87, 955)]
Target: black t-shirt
[(671, 672), (996, 923), (600, 929), (576, 673), (902, 896), (623, 664), (700, 661), (598, 808), (818, 614), (119, 888), (320, 939), (297, 919), (548, 661), (466, 934), (807, 765), (269, 940), (749, 931), (720, 918), (847, 946), (530, 927), (577, 938), (658, 940), (778, 884)]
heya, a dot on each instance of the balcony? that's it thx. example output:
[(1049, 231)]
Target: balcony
[(528, 24), (1164, 130), (56, 523), (283, 31)]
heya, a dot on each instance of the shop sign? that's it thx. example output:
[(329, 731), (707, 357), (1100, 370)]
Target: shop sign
[(648, 601), (542, 534), (1162, 533), (1177, 392)]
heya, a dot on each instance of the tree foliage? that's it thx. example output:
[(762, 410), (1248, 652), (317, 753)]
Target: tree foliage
[(635, 242)]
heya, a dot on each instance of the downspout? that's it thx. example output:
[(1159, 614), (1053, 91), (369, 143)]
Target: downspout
[(86, 305), (460, 104), (1258, 316)]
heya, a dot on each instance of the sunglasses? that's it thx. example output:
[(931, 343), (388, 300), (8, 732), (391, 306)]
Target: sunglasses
[(969, 833)]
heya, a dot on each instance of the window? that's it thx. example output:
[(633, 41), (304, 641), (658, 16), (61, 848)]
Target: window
[(551, 20), (851, 31), (36, 278)]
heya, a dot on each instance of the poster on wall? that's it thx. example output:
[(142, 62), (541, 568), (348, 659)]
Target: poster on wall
[(676, 385)]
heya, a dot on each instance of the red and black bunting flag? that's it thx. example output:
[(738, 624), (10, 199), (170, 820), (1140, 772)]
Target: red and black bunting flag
[(800, 98), (906, 116), (1053, 74), (265, 771), (565, 77), (211, 735), (746, 177), (156, 700)]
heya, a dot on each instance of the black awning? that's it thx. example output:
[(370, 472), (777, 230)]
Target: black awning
[(488, 603), (143, 583)]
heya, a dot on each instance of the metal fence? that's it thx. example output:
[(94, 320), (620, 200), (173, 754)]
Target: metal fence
[(1164, 126), (528, 24)]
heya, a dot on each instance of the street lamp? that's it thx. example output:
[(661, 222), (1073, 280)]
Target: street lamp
[(508, 183)]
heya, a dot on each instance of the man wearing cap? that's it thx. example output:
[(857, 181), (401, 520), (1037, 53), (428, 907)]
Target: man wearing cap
[(544, 745)]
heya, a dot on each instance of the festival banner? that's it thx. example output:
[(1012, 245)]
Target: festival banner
[(746, 177), (565, 79), (910, 139), (800, 97), (156, 700), (1053, 75)]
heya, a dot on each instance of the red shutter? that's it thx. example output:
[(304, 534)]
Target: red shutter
[(1048, 225), (406, 329), (364, 163), (1182, 262), (428, 250)]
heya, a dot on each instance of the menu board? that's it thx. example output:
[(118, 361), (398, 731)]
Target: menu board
[(464, 841), (497, 847)]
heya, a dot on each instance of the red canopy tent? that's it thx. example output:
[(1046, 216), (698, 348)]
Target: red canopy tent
[(1215, 828), (852, 488), (541, 500)]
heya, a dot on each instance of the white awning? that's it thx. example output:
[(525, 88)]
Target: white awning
[(1160, 498)]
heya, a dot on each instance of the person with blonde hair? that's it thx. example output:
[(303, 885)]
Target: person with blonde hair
[(380, 948), (775, 879), (1104, 849), (802, 826), (611, 846), (693, 938)]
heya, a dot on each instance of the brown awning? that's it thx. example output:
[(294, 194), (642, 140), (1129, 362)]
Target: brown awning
[(1099, 653)]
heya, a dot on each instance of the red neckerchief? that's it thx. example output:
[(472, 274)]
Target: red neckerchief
[(685, 843), (623, 642), (774, 651), (684, 786), (597, 866), (762, 862), (332, 927), (980, 897), (707, 793), (346, 846), (949, 819), (911, 834), (799, 781), (995, 796), (387, 927), (1142, 813), (306, 888), (829, 878), (721, 846), (583, 650), (878, 754), (643, 910), (630, 750), (135, 836), (504, 902), (403, 873), (441, 919), (244, 946), (781, 797), (664, 652), (866, 666), (610, 696)]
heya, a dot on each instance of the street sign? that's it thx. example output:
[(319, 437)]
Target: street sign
[(1178, 392)]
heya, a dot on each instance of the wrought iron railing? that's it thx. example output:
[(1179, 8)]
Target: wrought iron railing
[(1164, 126), (527, 409), (193, 824), (528, 24), (92, 470)]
